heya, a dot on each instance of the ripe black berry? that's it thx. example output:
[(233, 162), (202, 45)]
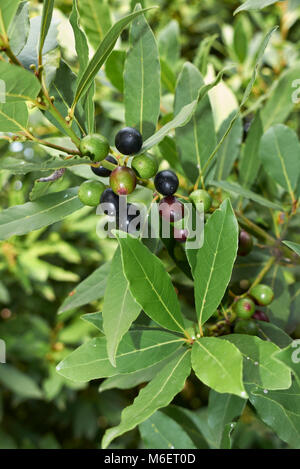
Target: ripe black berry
[(166, 182), (128, 141), (111, 201), (125, 220), (104, 172), (171, 209)]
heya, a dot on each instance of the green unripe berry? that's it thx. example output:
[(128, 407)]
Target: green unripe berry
[(246, 326), (95, 147), (145, 166), (203, 196), (262, 294), (122, 180), (244, 308), (90, 192)]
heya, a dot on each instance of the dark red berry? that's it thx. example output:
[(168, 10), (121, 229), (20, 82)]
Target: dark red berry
[(128, 141), (166, 182), (122, 180), (261, 316), (181, 234), (245, 243), (104, 172), (171, 209)]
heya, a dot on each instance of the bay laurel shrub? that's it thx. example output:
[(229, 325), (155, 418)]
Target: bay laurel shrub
[(212, 133)]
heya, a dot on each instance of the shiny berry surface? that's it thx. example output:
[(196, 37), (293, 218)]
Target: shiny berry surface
[(166, 182), (262, 294), (261, 316), (128, 141), (145, 166), (122, 180), (110, 202), (90, 192), (101, 170), (94, 146), (181, 234), (244, 308), (201, 196), (245, 243)]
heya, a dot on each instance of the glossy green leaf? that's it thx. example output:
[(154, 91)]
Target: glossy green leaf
[(149, 284), (138, 350), (215, 260), (272, 333), (95, 18), (294, 246), (260, 368), (219, 365), (101, 54), (255, 5), (168, 77), (45, 211), (94, 318), (20, 85), (19, 382), (119, 308), (250, 161), (90, 289), (21, 166), (142, 78), (19, 28), (229, 150), (114, 69), (279, 310), (280, 156), (197, 138), (7, 13), (169, 43), (235, 188), (222, 410), (290, 357), (157, 394), (280, 410), (48, 6), (13, 117), (161, 432), (282, 100)]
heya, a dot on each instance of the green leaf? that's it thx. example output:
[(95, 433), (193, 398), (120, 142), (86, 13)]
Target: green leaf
[(240, 39), (20, 166), (137, 350), (18, 382), (95, 18), (167, 148), (281, 101), (235, 188), (45, 24), (280, 308), (260, 368), (90, 289), (119, 308), (162, 432), (142, 78), (219, 365), (168, 77), (215, 260), (114, 69), (82, 50), (197, 138), (21, 85), (45, 211), (157, 394), (149, 284), (19, 29), (222, 410), (290, 356), (7, 13), (13, 117), (280, 156), (101, 54), (269, 331), (250, 161), (169, 43), (255, 5), (294, 246), (229, 150), (280, 410), (192, 423), (95, 319)]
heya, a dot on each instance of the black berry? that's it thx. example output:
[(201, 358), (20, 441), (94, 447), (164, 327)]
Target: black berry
[(166, 182), (125, 219), (111, 201), (104, 172), (128, 141)]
